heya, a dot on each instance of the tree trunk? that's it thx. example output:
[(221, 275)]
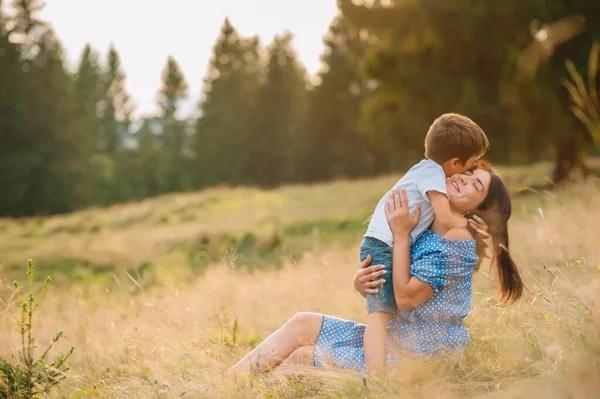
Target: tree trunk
[(568, 159)]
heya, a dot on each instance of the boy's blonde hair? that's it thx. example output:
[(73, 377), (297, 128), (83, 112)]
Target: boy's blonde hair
[(454, 136)]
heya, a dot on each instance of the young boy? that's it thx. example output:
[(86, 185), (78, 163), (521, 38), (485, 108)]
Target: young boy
[(453, 145)]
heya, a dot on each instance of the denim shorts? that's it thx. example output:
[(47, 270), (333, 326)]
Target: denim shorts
[(381, 254)]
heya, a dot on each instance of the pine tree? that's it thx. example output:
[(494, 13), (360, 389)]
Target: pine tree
[(88, 87), (231, 90), (173, 171), (90, 93), (58, 180), (45, 139), (278, 123), (114, 113), (404, 77), (173, 90), (27, 27), (15, 156), (145, 159), (333, 146), (25, 19), (115, 107)]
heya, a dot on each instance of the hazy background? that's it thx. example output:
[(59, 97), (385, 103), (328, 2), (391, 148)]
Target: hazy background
[(146, 31), (106, 102), (190, 174)]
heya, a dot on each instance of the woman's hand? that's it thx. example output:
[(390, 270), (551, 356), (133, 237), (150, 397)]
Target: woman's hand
[(396, 211), (366, 279), (479, 226)]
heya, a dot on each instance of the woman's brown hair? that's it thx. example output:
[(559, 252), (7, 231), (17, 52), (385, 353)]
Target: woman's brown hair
[(495, 210)]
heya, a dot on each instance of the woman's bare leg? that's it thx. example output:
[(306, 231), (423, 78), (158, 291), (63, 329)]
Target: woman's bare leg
[(297, 361), (301, 330)]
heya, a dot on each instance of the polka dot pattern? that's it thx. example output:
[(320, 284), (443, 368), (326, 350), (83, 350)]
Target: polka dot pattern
[(340, 344), (434, 327)]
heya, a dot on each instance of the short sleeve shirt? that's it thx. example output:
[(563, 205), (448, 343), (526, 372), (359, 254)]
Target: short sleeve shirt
[(425, 176)]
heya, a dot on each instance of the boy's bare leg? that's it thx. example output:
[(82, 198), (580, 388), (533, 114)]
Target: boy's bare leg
[(374, 342)]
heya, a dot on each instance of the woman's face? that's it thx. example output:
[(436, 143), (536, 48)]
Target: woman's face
[(467, 191)]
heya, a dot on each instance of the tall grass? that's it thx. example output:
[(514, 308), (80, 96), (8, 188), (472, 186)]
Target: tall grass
[(585, 104), (174, 339)]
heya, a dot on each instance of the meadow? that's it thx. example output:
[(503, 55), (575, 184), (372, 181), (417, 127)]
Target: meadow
[(160, 297)]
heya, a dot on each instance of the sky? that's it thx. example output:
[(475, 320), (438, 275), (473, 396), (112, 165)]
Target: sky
[(146, 32)]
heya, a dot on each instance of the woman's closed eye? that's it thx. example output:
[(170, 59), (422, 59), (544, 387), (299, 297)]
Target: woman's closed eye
[(478, 185), (481, 186)]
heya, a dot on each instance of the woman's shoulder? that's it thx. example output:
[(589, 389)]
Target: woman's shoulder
[(451, 254), (458, 234), (455, 242)]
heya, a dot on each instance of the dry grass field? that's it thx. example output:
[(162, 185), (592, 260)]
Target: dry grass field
[(160, 297)]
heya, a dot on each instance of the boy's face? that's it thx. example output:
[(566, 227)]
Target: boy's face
[(454, 166)]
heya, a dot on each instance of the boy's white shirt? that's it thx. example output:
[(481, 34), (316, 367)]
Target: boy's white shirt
[(425, 176)]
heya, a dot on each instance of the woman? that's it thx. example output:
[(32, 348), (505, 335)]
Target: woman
[(432, 286)]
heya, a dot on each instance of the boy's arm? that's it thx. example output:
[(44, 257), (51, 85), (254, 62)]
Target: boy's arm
[(443, 212), (431, 184)]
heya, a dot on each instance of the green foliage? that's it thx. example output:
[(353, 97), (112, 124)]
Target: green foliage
[(40, 137), (277, 128), (332, 145), (13, 148), (115, 107), (29, 378), (173, 90), (145, 160), (389, 68), (223, 129), (427, 58), (173, 163), (248, 250)]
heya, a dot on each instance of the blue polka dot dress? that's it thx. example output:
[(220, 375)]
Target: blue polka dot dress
[(437, 325)]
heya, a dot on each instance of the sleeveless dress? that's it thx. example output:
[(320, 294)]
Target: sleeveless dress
[(427, 330)]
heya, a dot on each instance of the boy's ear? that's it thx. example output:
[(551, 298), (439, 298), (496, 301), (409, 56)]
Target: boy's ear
[(456, 163)]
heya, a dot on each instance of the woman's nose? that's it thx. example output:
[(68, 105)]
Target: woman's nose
[(468, 179)]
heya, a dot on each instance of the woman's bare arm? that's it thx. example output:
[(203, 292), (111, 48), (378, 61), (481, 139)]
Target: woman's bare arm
[(368, 278), (409, 292)]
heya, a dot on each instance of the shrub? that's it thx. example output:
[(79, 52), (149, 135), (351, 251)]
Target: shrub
[(29, 378)]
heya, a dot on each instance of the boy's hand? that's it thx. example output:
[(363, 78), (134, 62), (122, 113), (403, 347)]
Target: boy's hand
[(367, 278)]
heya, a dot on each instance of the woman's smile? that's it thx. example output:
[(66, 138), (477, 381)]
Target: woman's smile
[(455, 185)]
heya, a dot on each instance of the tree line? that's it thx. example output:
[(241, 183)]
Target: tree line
[(68, 139)]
